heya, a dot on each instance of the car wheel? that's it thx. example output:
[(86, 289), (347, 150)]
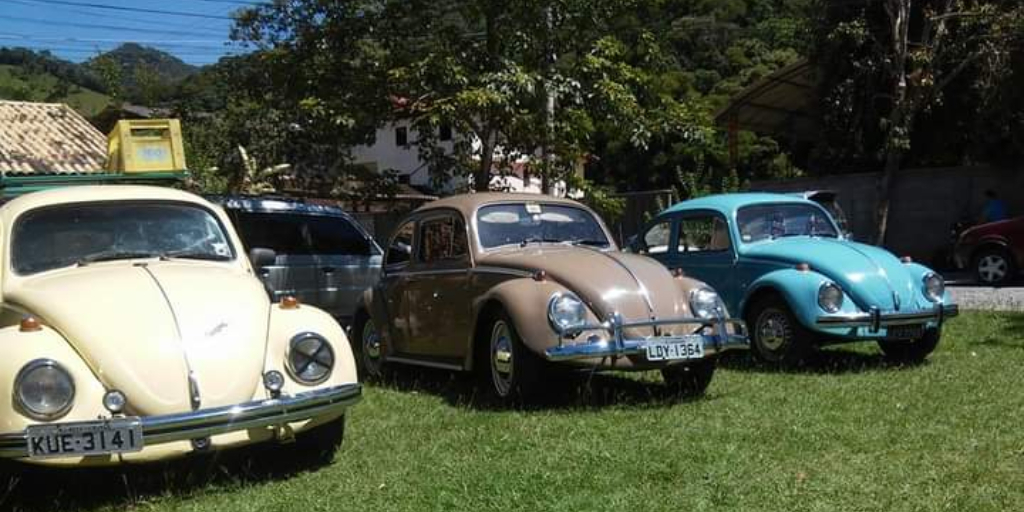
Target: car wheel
[(994, 266), (322, 442), (512, 370), (911, 351), (689, 379), (775, 334), (368, 347)]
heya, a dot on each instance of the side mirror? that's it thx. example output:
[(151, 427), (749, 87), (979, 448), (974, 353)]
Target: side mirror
[(261, 257)]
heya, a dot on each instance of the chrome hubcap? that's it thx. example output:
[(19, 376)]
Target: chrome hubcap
[(501, 358), (992, 268), (371, 345), (771, 330)]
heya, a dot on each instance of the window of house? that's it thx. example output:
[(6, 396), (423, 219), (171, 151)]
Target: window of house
[(400, 248), (445, 132), (701, 234), (442, 239), (401, 136)]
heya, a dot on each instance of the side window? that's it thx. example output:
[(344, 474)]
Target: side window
[(284, 233), (442, 239), (703, 234), (656, 239), (400, 248), (336, 235)]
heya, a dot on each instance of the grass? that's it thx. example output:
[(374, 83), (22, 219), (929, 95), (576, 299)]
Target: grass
[(847, 433), (40, 86)]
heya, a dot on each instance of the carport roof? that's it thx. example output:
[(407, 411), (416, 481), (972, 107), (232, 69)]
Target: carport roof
[(784, 103)]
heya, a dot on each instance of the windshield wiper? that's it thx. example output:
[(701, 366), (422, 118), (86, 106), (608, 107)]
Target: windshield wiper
[(193, 255), (113, 255), (597, 243), (538, 240)]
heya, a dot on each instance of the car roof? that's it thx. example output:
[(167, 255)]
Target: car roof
[(468, 203), (729, 203), (268, 204), (95, 193)]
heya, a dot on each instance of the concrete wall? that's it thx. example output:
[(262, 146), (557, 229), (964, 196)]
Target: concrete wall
[(925, 202)]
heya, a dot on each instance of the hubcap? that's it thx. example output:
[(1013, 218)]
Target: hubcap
[(771, 329), (992, 268), (501, 358), (371, 345)]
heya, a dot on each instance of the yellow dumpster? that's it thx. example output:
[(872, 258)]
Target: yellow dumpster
[(146, 145)]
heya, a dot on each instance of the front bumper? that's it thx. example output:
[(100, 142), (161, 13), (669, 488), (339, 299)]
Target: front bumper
[(619, 345), (204, 423), (875, 320)]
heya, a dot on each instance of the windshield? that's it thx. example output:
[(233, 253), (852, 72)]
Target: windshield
[(79, 234), (770, 221), (526, 223)]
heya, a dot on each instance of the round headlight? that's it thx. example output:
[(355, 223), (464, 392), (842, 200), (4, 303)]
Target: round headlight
[(44, 390), (830, 297), (705, 303), (310, 358), (934, 287), (566, 312)]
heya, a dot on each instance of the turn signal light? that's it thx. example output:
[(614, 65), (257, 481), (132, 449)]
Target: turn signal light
[(907, 259), (677, 273), (30, 324), (289, 302), (803, 267), (540, 275)]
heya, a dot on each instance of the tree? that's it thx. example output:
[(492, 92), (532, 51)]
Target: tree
[(908, 55)]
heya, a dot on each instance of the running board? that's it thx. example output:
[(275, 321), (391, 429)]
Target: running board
[(429, 363)]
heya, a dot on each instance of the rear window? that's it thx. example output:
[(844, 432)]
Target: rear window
[(288, 233)]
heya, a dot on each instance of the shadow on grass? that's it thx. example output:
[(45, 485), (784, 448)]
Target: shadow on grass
[(564, 390), (1011, 336), (823, 362), (31, 488)]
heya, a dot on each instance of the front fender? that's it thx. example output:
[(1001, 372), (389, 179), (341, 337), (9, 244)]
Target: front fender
[(799, 288), (286, 324), (917, 272), (19, 348)]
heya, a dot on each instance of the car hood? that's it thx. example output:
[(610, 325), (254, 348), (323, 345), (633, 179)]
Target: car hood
[(871, 276), (143, 328), (634, 286)]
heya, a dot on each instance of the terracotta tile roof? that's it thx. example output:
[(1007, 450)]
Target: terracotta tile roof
[(48, 138)]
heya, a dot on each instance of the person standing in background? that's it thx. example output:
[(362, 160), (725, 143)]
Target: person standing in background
[(995, 208)]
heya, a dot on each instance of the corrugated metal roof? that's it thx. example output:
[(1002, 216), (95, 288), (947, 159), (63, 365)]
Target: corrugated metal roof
[(48, 138)]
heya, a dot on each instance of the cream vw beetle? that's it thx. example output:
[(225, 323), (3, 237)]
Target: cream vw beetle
[(135, 330)]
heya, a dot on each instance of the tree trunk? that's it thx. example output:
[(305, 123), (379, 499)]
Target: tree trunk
[(892, 164), (482, 176)]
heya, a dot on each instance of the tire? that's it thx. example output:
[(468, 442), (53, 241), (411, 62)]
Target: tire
[(368, 347), (911, 351), (689, 379), (776, 336), (322, 442), (507, 367), (994, 266)]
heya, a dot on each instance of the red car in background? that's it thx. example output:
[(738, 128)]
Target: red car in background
[(993, 251)]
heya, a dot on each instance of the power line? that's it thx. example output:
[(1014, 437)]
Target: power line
[(170, 47), (94, 51), (99, 26), (149, 21), (134, 9), (173, 42), (234, 2)]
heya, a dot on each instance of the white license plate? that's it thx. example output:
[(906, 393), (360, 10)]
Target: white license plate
[(119, 435), (671, 349)]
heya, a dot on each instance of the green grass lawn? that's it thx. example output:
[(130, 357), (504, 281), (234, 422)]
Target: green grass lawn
[(847, 433)]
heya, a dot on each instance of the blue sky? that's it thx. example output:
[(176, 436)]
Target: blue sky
[(78, 32)]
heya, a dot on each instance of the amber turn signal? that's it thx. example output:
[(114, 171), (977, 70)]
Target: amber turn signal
[(30, 324), (803, 267), (289, 302), (677, 272), (540, 275), (907, 259)]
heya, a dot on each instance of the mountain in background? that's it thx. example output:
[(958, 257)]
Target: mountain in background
[(133, 57)]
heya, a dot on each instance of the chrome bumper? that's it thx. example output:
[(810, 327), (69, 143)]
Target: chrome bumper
[(875, 320), (619, 346), (221, 420)]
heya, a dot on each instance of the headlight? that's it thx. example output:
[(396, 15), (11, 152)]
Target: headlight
[(44, 390), (934, 287), (830, 297), (566, 312), (705, 303), (310, 358)]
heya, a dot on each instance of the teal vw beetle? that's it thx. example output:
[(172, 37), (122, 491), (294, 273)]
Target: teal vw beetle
[(782, 262)]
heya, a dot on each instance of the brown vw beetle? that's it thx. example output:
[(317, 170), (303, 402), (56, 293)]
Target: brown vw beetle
[(511, 284)]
